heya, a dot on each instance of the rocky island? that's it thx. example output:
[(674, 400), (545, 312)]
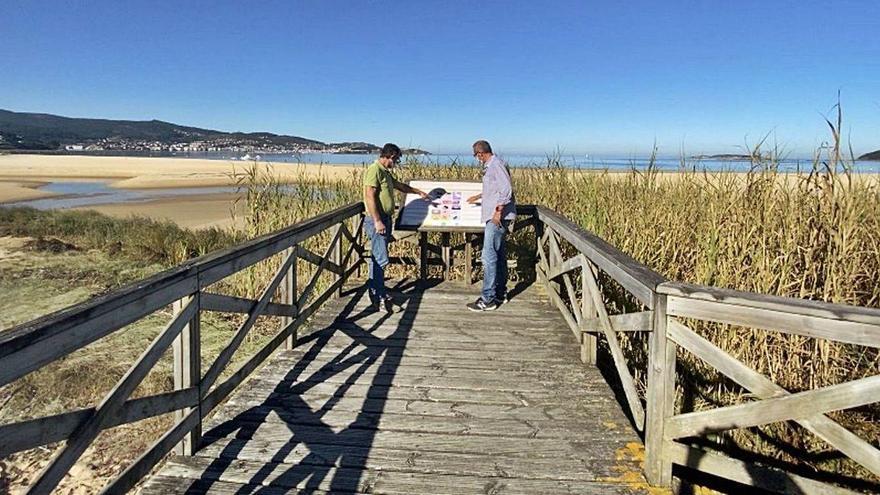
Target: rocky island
[(872, 156)]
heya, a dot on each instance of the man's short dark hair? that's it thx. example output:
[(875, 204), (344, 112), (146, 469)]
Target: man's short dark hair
[(390, 150), (482, 146)]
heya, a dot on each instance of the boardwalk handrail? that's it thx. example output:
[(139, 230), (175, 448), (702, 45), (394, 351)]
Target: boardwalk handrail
[(662, 307), (32, 345), (668, 302)]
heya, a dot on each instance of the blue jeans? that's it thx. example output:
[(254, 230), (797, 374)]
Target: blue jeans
[(379, 254), (495, 261)]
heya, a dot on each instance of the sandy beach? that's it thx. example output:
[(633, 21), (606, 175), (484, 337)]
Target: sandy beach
[(147, 173), (22, 175)]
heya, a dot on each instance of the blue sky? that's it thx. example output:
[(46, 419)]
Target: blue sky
[(608, 78)]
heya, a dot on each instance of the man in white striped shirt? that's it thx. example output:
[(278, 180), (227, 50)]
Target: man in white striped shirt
[(498, 212)]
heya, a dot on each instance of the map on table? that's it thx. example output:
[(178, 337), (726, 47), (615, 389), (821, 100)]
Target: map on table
[(448, 208)]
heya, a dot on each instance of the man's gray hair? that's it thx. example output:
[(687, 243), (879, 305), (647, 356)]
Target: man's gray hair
[(482, 146)]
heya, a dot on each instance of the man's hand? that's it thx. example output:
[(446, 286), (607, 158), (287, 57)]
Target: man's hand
[(473, 199), (496, 218), (380, 227), (424, 195)]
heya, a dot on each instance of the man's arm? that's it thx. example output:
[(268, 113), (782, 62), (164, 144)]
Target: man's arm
[(371, 197), (406, 188), (505, 193)]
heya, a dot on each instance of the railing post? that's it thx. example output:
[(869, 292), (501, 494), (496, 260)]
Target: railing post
[(336, 256), (661, 398), (589, 342), (468, 258), (288, 296), (539, 233), (355, 222), (423, 256), (188, 371), (446, 254)]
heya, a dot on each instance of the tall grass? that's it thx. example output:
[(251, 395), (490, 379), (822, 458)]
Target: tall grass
[(812, 235)]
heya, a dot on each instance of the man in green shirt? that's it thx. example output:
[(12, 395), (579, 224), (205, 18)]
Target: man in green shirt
[(379, 186)]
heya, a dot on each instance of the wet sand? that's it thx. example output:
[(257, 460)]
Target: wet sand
[(151, 173), (11, 191), (21, 175), (192, 212)]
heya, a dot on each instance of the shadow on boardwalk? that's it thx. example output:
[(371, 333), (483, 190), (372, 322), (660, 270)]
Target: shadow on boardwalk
[(349, 447)]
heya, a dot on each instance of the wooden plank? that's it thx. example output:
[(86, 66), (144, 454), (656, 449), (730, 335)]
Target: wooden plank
[(587, 405), (640, 321), (660, 402), (289, 420), (317, 260), (360, 480), (468, 258), (336, 339), (39, 343), (328, 390), (446, 254), (187, 369), (588, 466), (274, 438), (288, 297), (451, 365), (836, 436), (310, 287), (231, 304), (148, 460), (86, 432), (172, 485), (338, 335), (626, 379), (791, 305), (799, 405), (423, 255), (336, 257), (635, 277), (590, 343), (574, 306), (567, 266), (553, 292), (26, 435), (749, 473), (225, 355), (850, 332)]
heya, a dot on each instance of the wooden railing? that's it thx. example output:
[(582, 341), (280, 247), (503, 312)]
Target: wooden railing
[(33, 345), (576, 267), (663, 305)]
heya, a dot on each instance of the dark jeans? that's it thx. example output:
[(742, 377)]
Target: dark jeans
[(379, 254), (495, 261)]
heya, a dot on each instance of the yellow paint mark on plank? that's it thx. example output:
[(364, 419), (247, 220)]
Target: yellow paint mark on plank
[(630, 464)]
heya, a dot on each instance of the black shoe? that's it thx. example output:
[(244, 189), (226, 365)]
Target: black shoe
[(388, 304), (502, 300), (479, 305)]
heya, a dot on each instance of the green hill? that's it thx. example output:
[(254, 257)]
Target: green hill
[(19, 130), (874, 156)]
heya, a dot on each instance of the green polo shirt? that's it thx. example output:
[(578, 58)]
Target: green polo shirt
[(381, 178)]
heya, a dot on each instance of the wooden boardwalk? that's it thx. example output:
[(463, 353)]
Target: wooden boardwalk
[(431, 399), (436, 399)]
